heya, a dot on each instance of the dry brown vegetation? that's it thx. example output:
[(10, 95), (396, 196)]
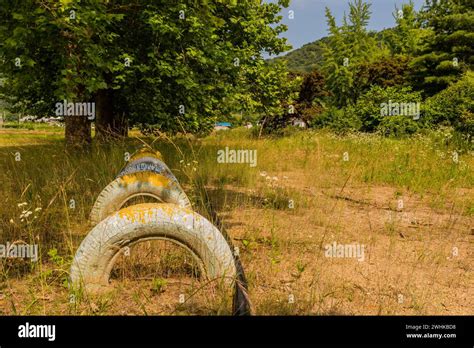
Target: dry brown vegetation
[(418, 258)]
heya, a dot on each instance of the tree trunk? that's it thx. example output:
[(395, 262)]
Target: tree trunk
[(109, 124), (78, 131)]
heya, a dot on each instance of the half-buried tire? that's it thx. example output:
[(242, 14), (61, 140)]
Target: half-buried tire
[(118, 192), (98, 252)]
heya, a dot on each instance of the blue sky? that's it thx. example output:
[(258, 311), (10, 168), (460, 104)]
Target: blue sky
[(309, 23)]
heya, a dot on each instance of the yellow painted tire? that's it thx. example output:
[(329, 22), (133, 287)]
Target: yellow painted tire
[(145, 152), (118, 192), (97, 253)]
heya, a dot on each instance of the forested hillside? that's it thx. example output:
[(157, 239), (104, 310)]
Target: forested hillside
[(303, 59)]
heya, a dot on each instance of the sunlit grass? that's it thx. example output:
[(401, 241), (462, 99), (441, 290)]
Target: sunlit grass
[(305, 168)]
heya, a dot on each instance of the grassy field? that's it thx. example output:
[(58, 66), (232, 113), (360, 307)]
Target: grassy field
[(409, 203)]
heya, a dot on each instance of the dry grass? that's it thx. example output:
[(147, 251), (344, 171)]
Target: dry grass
[(301, 196)]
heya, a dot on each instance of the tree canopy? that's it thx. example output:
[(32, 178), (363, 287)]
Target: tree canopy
[(174, 64)]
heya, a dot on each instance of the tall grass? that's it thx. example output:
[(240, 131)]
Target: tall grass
[(59, 186), (65, 184)]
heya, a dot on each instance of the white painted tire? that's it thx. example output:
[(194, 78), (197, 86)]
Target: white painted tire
[(118, 192), (98, 252), (147, 164)]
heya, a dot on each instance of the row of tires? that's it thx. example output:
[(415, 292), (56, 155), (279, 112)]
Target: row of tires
[(171, 218)]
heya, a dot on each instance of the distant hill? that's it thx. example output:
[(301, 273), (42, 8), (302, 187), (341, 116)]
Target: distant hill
[(305, 58), (309, 56)]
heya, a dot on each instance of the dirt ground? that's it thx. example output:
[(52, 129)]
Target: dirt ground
[(418, 259)]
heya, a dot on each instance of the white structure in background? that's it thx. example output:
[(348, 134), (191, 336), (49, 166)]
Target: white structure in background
[(49, 119), (297, 122), (27, 119), (56, 121)]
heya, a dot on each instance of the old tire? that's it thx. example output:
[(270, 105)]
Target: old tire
[(146, 152), (122, 189), (148, 164), (97, 253)]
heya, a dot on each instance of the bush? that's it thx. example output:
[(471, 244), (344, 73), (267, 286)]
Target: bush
[(338, 120), (272, 124), (398, 126), (277, 127), (392, 111), (454, 106)]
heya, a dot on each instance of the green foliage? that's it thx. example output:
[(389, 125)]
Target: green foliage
[(339, 120), (272, 89), (381, 67), (158, 285), (454, 106), (55, 258), (304, 59), (407, 35), (448, 52), (398, 126), (173, 64), (276, 96), (180, 66), (373, 112), (217, 66), (384, 72), (312, 90), (312, 97)]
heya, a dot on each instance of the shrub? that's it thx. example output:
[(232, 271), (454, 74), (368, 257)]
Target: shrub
[(338, 120), (273, 124), (384, 72), (312, 90), (393, 111), (454, 106), (398, 126)]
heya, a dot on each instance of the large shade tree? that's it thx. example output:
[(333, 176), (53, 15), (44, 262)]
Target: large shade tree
[(163, 62)]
